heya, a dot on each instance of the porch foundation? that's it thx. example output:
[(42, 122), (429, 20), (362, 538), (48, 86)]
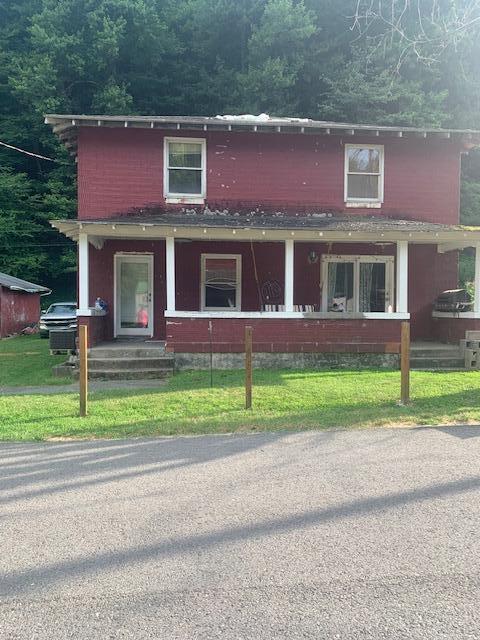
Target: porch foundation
[(185, 361), (193, 335)]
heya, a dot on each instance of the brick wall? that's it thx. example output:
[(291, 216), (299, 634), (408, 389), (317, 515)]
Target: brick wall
[(96, 326), (119, 169), (191, 335), (453, 329)]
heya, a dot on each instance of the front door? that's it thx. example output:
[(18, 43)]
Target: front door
[(134, 295)]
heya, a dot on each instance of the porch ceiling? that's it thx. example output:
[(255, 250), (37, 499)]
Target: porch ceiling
[(268, 228)]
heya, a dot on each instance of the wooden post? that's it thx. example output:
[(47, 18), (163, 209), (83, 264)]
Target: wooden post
[(405, 363), (83, 347), (248, 367)]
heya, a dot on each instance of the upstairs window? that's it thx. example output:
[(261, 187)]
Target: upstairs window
[(363, 173), (185, 168), (221, 282)]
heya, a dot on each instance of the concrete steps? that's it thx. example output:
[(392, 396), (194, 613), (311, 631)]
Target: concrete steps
[(436, 357), (129, 361)]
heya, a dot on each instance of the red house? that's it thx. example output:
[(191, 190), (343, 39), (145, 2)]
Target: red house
[(322, 236), (19, 304)]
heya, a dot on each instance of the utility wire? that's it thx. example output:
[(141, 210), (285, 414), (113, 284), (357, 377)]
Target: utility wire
[(28, 153)]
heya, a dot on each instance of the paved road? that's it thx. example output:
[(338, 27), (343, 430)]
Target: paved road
[(360, 534)]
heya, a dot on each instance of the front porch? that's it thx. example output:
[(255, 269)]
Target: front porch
[(326, 287)]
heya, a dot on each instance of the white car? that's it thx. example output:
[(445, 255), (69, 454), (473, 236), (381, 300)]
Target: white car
[(60, 315)]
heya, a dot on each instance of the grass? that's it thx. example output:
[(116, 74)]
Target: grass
[(26, 360), (282, 400)]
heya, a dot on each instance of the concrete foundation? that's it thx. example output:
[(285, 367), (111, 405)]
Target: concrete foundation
[(184, 361)]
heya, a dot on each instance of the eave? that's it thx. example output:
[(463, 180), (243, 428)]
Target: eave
[(66, 127), (447, 238)]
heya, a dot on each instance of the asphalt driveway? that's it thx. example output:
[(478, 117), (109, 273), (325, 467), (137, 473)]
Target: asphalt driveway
[(342, 534)]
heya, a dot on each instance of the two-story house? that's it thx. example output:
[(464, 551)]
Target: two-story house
[(321, 236)]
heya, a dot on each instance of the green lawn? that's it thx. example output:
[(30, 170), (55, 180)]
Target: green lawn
[(282, 400), (26, 360)]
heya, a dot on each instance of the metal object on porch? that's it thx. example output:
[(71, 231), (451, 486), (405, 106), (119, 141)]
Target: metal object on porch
[(454, 300), (62, 341)]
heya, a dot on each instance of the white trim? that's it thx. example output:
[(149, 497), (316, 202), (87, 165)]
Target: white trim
[(238, 291), (459, 315), (125, 256), (402, 277), (185, 198), (289, 275), (91, 312), (366, 202), (283, 315), (170, 272), (83, 271), (358, 259), (476, 299)]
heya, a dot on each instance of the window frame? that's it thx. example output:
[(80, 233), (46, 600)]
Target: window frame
[(381, 175), (238, 273), (389, 262), (172, 196)]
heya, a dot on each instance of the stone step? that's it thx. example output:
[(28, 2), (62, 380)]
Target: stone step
[(438, 369), (126, 374), (443, 362), (102, 364), (438, 352), (126, 352)]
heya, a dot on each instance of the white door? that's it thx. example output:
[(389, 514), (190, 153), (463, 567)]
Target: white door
[(134, 295)]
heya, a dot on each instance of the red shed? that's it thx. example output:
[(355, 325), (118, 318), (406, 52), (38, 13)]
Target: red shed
[(19, 304)]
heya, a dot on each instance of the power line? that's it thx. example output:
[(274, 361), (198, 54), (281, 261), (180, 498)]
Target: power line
[(28, 153)]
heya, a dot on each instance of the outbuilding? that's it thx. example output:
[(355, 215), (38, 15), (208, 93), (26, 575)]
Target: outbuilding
[(19, 304)]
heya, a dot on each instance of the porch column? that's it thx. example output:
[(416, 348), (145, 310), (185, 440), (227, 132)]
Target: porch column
[(289, 253), (476, 301), (402, 276), (170, 272), (83, 292)]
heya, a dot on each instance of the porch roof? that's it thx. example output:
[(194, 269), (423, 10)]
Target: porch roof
[(257, 226)]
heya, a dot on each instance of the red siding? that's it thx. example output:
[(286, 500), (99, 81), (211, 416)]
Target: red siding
[(17, 310), (119, 169)]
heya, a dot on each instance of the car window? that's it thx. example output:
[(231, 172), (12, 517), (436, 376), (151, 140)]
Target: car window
[(62, 308)]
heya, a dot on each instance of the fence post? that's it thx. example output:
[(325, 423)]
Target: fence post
[(405, 363), (83, 347), (248, 367)]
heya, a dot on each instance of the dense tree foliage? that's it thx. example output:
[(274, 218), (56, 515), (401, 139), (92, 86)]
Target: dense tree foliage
[(411, 62)]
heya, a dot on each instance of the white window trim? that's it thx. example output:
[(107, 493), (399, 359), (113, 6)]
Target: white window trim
[(179, 198), (365, 202), (238, 295), (389, 262)]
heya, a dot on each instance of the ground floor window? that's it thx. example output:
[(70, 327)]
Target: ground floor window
[(357, 283), (221, 282)]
